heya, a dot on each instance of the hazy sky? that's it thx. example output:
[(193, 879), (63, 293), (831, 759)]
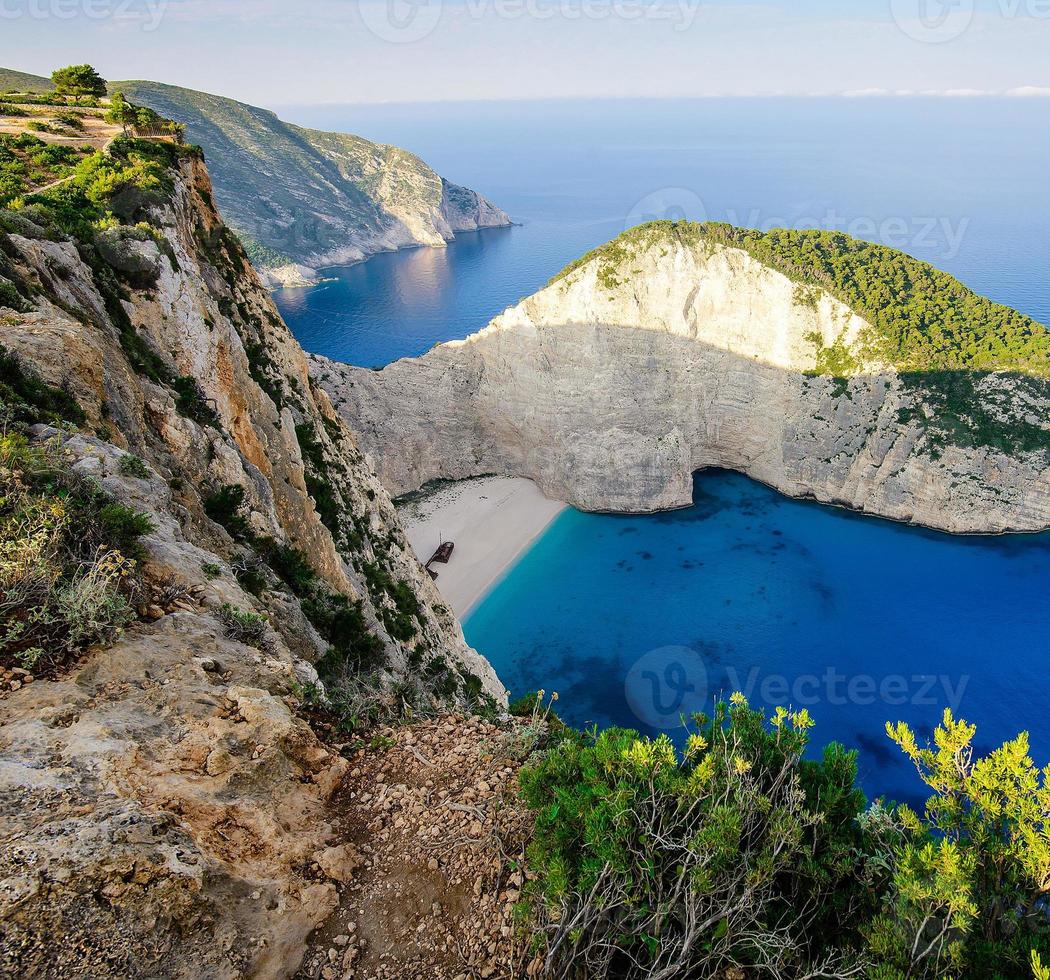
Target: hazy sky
[(271, 52)]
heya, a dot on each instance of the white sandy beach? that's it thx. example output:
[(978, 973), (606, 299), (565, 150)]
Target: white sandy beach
[(492, 521)]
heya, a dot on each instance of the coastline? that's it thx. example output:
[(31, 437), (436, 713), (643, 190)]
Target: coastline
[(492, 520), (298, 275)]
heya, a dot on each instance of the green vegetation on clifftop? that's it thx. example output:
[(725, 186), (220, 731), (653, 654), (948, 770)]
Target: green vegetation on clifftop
[(924, 319)]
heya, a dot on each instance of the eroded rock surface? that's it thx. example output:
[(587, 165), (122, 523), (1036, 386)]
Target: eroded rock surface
[(437, 834)]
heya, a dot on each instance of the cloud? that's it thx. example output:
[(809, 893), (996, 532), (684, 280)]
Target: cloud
[(1030, 92), (1024, 92)]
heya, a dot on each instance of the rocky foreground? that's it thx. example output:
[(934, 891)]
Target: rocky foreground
[(166, 807)]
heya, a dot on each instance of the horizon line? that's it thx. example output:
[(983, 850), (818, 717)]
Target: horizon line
[(1024, 93)]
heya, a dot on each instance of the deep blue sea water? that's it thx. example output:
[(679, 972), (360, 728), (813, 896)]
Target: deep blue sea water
[(633, 619)]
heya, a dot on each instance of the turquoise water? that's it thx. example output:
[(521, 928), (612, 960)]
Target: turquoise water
[(633, 620)]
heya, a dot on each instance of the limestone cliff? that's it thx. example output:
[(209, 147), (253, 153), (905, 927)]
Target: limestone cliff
[(303, 199), (163, 802), (667, 353)]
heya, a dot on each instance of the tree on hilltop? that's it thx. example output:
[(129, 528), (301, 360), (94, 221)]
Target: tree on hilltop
[(79, 81)]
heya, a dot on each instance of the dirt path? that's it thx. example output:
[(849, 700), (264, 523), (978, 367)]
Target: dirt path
[(437, 843)]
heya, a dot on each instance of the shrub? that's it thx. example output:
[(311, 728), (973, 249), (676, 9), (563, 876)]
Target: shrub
[(55, 616), (11, 297), (104, 179), (741, 855), (226, 507), (72, 120), (192, 402), (970, 881), (401, 621), (31, 399), (737, 854), (318, 482), (341, 622), (241, 625), (290, 564), (66, 578), (123, 526), (122, 184), (250, 572), (211, 570), (131, 465), (120, 247)]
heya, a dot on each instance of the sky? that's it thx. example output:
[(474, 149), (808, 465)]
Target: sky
[(279, 52)]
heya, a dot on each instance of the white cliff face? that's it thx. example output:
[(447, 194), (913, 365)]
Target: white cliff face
[(716, 296), (611, 387)]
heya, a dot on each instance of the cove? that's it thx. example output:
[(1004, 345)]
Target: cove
[(633, 619)]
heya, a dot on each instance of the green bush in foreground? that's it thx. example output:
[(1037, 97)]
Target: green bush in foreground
[(68, 569), (970, 886), (741, 853)]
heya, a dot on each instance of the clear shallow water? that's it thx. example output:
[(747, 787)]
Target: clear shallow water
[(960, 183), (862, 621), (747, 589)]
